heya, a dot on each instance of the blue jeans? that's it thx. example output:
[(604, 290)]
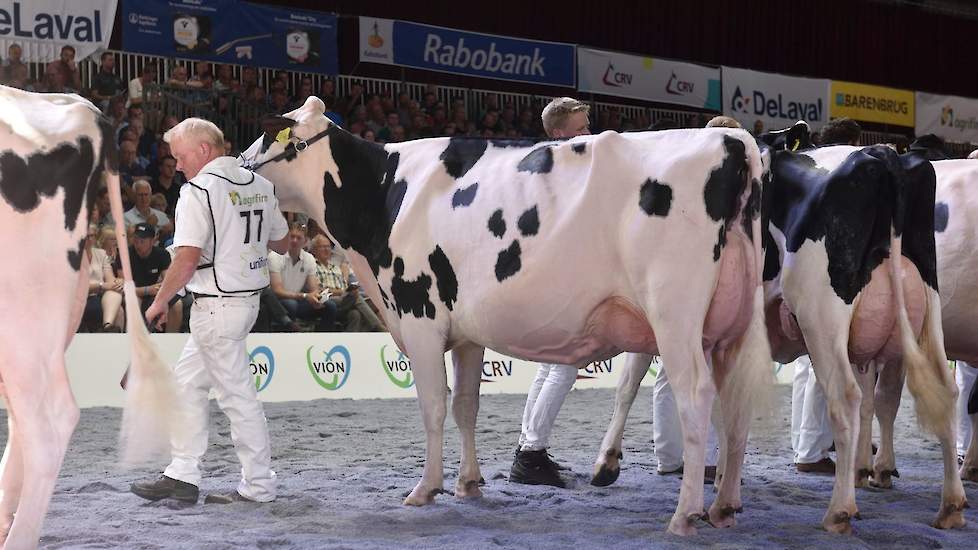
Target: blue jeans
[(301, 309)]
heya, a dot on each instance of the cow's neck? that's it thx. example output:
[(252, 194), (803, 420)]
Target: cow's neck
[(356, 210)]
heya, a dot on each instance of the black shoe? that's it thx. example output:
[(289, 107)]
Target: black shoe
[(556, 465), (535, 468), (219, 498), (166, 487)]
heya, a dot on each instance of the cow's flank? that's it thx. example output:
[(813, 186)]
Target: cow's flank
[(464, 196), (496, 224), (508, 262), (726, 182), (411, 296), (655, 198), (529, 222)]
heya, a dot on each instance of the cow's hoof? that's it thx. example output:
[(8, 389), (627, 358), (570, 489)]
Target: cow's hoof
[(421, 496), (605, 476), (467, 489), (685, 526), (883, 479), (863, 477), (722, 517), (839, 522), (951, 517), (969, 474)]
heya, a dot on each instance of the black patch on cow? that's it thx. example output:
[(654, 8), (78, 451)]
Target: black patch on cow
[(75, 256), (384, 297), (537, 161), (579, 148), (497, 225), (727, 182), (394, 198), (519, 142), (919, 221), (940, 217), (462, 154), (508, 263), (655, 198), (772, 256), (721, 242), (445, 278), (529, 222), (411, 296), (795, 138), (69, 166), (751, 209), (464, 196)]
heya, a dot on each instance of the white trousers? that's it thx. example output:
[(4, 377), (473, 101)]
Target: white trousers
[(667, 431), (215, 358), (811, 430), (964, 375), (547, 393)]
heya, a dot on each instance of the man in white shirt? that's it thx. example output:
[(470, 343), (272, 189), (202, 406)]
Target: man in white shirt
[(294, 282), (142, 212), (229, 218)]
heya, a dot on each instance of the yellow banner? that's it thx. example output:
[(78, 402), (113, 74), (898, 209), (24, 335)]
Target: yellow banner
[(872, 103)]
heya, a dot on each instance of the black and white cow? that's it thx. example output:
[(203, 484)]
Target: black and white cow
[(55, 150), (562, 251)]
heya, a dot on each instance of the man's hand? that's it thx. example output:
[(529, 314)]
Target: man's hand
[(313, 299), (156, 314)]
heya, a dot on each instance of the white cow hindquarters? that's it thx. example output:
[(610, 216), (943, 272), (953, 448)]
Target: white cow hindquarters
[(547, 393), (216, 357)]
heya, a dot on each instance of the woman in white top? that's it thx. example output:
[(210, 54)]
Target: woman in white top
[(104, 289)]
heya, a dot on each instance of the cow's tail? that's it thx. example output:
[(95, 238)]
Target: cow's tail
[(147, 418), (926, 378)]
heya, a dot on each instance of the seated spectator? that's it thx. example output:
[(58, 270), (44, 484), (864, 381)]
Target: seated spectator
[(137, 86), (104, 304), (420, 126), (331, 113), (279, 103), (20, 78), (357, 128), (168, 183), (178, 77), (108, 243), (303, 93), (438, 120), (398, 134), (377, 119), (149, 265), (384, 134), (143, 213), (327, 91), (56, 82), (225, 80), (129, 169), (106, 84), (202, 77), (352, 100), (840, 131), (13, 60), (353, 312), (145, 141), (450, 130), (490, 121), (294, 282), (507, 118), (158, 201), (368, 135), (104, 207), (67, 67), (428, 105)]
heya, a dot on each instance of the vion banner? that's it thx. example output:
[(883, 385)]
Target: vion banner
[(661, 80), (953, 118), (777, 100), (42, 27), (396, 42)]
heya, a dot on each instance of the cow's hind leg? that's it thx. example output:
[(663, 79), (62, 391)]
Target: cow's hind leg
[(866, 378), (428, 365), (11, 476), (467, 362), (889, 389), (607, 466)]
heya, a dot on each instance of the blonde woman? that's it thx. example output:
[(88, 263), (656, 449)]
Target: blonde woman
[(104, 289)]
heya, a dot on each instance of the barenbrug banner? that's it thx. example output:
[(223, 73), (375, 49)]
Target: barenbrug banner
[(953, 118), (42, 27), (647, 78), (777, 100), (871, 103), (228, 31), (396, 42)]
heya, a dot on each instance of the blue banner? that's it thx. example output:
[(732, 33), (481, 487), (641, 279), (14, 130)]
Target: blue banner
[(476, 54), (228, 31)]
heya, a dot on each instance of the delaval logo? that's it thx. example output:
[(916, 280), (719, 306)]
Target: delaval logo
[(593, 369), (333, 365), (461, 57), (739, 103), (675, 86), (262, 364), (615, 78), (493, 370), (776, 106), (397, 367), (52, 26)]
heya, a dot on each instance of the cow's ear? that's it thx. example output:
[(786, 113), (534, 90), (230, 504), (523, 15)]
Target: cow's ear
[(799, 137), (273, 124)]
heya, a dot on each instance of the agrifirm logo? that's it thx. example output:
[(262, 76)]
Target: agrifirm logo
[(397, 366), (947, 116), (262, 364), (330, 369)]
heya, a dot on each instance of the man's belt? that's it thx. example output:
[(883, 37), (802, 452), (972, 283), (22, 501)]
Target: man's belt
[(199, 295)]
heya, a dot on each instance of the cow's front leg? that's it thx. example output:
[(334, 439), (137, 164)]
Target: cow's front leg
[(866, 378), (428, 366), (607, 466), (889, 389), (467, 361)]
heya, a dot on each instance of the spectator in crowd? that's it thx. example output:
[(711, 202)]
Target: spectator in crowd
[(420, 128), (525, 126), (145, 141), (106, 84), (20, 78), (351, 100), (334, 276), (143, 213), (13, 60), (132, 112), (149, 265), (104, 207), (225, 80), (202, 78), (104, 304), (840, 131), (56, 81), (280, 102), (116, 113), (377, 119), (229, 150), (66, 65), (168, 183), (722, 121), (450, 130), (404, 106), (137, 86), (368, 135), (331, 113), (392, 120), (129, 169), (178, 77), (158, 202), (758, 127), (294, 282), (303, 93), (398, 134), (107, 242)]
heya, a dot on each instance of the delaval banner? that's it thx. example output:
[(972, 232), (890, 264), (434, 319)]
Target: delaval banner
[(871, 103), (228, 31), (953, 118), (777, 100), (647, 78), (396, 42), (42, 27)]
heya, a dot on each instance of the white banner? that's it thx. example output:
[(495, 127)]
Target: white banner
[(951, 117), (661, 80), (776, 100), (42, 27), (377, 40)]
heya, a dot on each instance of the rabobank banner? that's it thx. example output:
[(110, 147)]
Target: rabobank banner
[(229, 31), (42, 27), (396, 42), (951, 117), (647, 78), (777, 100), (871, 103)]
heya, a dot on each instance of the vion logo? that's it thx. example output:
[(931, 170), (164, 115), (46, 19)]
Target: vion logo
[(397, 367), (262, 364), (329, 369), (593, 369), (675, 86), (496, 369), (615, 78)]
